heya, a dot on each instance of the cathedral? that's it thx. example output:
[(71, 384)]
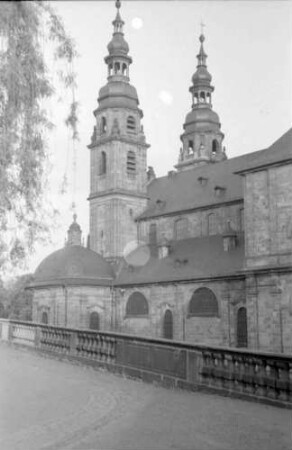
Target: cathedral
[(202, 254)]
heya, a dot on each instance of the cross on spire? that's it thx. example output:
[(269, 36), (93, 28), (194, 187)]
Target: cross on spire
[(202, 27)]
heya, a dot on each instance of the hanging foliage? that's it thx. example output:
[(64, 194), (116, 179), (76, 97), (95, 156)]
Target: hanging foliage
[(25, 29)]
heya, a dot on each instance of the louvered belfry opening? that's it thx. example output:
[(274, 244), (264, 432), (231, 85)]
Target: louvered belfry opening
[(131, 163)]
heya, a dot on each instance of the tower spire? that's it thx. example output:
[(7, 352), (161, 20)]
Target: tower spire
[(118, 23), (118, 60), (202, 137), (202, 56)]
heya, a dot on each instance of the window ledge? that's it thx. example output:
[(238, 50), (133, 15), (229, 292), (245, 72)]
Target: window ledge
[(136, 316), (202, 315)]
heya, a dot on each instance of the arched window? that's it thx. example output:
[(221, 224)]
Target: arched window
[(215, 147), (2, 310), (131, 124), (241, 219), (103, 125), (102, 169), (241, 327), (202, 97), (168, 325), (117, 67), (208, 97), (110, 69), (181, 228), (94, 321), (153, 234), (191, 146), (131, 163), (45, 318), (124, 69), (196, 100), (137, 305), (203, 303), (211, 224)]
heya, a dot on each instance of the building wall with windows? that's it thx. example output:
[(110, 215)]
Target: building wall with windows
[(204, 222), (73, 306), (214, 326)]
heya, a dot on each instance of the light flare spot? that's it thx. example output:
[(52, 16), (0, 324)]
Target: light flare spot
[(137, 23), (136, 253), (165, 97)]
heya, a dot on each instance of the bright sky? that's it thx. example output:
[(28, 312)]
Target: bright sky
[(249, 57)]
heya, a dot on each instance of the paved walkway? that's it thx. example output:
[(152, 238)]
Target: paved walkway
[(49, 404)]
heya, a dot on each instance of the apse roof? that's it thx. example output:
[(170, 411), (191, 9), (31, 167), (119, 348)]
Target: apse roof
[(196, 188), (73, 265)]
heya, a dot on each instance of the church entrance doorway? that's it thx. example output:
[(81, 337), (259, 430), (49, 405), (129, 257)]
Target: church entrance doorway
[(168, 325), (94, 321), (241, 327)]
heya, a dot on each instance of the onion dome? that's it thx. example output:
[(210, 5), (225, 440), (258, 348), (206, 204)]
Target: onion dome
[(203, 115), (118, 92), (201, 74), (118, 47), (74, 233), (202, 137)]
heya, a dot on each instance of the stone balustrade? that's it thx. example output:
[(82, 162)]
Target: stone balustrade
[(239, 373)]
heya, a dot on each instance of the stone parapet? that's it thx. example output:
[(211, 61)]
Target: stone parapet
[(252, 375)]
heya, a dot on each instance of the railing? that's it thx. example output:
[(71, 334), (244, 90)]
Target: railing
[(247, 374)]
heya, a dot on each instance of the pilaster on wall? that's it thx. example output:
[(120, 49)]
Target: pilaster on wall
[(226, 315), (252, 312)]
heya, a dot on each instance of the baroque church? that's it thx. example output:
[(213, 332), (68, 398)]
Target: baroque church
[(202, 254)]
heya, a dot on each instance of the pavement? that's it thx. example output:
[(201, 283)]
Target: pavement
[(54, 405)]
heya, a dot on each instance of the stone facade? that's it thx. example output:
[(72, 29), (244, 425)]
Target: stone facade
[(253, 303), (268, 212), (202, 222), (72, 306), (176, 297)]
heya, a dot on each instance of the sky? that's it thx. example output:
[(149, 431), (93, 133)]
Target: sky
[(249, 57)]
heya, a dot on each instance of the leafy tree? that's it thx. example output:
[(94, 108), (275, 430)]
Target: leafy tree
[(18, 300), (28, 29)]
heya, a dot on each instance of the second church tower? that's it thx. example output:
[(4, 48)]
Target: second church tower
[(118, 164)]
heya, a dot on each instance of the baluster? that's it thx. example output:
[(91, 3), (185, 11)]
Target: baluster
[(282, 381), (90, 346), (290, 381), (82, 344), (78, 344), (108, 350), (99, 347), (259, 378), (217, 372), (112, 350), (228, 372), (206, 371), (270, 380), (248, 376)]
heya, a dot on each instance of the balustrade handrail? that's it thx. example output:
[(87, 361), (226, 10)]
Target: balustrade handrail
[(237, 372), (160, 341)]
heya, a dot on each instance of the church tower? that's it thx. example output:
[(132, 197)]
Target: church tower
[(118, 178), (202, 137)]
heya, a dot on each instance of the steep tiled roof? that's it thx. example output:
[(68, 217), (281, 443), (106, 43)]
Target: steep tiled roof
[(189, 259), (279, 151), (181, 191)]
